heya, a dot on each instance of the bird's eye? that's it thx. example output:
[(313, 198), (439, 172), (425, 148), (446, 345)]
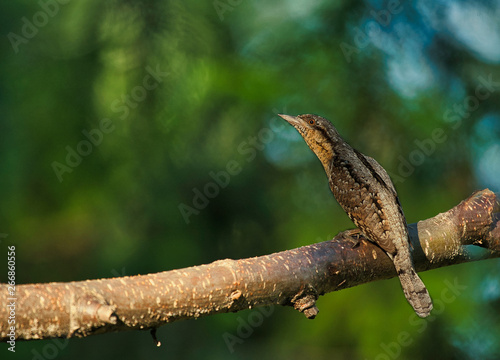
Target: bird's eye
[(312, 121)]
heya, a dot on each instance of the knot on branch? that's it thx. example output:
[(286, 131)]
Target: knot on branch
[(94, 307), (235, 299), (479, 217), (305, 301), (90, 311)]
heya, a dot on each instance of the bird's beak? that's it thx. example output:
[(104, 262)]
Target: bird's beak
[(292, 120)]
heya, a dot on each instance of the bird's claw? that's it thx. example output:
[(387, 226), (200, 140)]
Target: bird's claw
[(353, 235)]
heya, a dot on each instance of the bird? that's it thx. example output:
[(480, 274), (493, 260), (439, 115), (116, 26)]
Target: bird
[(365, 191)]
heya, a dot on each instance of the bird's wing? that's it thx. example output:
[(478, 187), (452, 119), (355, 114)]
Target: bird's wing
[(382, 173), (388, 182)]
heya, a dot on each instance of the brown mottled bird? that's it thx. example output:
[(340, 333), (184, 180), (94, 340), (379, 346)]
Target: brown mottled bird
[(366, 193)]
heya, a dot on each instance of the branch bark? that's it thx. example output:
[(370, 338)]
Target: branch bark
[(292, 278)]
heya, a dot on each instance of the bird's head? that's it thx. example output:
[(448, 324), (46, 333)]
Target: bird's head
[(319, 134)]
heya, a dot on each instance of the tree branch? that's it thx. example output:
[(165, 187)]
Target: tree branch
[(291, 278)]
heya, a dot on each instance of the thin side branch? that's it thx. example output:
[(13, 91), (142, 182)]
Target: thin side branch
[(292, 278)]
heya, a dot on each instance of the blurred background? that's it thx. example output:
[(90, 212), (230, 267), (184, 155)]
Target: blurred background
[(117, 115)]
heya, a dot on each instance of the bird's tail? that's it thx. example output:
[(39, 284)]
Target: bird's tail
[(413, 288)]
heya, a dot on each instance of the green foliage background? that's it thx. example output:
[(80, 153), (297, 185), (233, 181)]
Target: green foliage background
[(388, 75)]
